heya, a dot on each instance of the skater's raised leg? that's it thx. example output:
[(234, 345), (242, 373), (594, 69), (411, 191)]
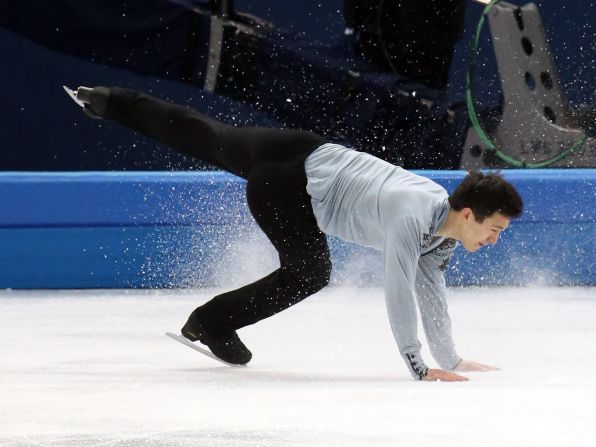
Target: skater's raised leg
[(234, 149)]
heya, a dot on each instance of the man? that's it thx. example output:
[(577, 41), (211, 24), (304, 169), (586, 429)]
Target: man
[(301, 187)]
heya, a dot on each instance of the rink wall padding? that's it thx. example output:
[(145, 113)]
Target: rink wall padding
[(140, 229)]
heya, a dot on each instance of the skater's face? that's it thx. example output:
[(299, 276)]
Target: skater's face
[(475, 235)]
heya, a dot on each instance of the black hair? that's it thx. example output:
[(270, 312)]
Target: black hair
[(486, 194)]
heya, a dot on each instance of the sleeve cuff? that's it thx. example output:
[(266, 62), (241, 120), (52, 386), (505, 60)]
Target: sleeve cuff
[(416, 365), (454, 365)]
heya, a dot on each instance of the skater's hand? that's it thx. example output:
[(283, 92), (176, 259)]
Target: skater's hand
[(469, 365), (443, 376)]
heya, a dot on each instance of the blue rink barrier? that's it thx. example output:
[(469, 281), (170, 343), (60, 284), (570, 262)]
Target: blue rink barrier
[(121, 230)]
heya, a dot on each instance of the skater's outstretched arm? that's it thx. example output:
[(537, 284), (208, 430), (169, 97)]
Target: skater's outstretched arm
[(431, 294), (402, 250)]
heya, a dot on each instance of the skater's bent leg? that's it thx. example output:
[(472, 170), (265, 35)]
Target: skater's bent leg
[(268, 296), (286, 217)]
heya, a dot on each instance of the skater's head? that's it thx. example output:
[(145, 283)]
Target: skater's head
[(483, 204)]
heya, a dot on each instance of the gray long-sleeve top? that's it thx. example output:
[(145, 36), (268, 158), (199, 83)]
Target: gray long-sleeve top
[(363, 199)]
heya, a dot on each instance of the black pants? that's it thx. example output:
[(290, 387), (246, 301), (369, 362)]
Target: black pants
[(272, 162)]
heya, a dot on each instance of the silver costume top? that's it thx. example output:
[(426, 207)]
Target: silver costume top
[(363, 199)]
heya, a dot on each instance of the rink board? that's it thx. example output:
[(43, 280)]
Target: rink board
[(114, 230)]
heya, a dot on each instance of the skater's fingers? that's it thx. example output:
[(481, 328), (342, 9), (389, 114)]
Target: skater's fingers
[(468, 365), (434, 375)]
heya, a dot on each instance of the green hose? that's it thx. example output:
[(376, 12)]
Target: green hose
[(489, 145)]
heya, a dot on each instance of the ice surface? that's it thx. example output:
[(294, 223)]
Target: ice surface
[(94, 368)]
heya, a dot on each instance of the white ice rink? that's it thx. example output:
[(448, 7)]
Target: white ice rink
[(94, 368)]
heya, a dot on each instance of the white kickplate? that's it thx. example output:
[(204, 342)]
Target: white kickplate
[(73, 95), (190, 344)]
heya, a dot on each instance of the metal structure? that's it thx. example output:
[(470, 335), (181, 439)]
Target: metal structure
[(536, 122)]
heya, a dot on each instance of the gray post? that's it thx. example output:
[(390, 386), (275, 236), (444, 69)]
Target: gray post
[(536, 123)]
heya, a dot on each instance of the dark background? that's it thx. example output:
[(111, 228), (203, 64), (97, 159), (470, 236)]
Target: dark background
[(160, 47)]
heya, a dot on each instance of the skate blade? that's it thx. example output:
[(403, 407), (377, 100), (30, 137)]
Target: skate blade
[(73, 96), (190, 344)]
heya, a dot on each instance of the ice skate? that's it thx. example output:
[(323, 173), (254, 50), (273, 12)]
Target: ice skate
[(230, 349), (84, 96)]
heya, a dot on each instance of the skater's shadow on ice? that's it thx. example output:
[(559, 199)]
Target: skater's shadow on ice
[(247, 374)]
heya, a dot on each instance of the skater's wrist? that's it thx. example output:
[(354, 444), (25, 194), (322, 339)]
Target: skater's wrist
[(416, 365), (455, 366)]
